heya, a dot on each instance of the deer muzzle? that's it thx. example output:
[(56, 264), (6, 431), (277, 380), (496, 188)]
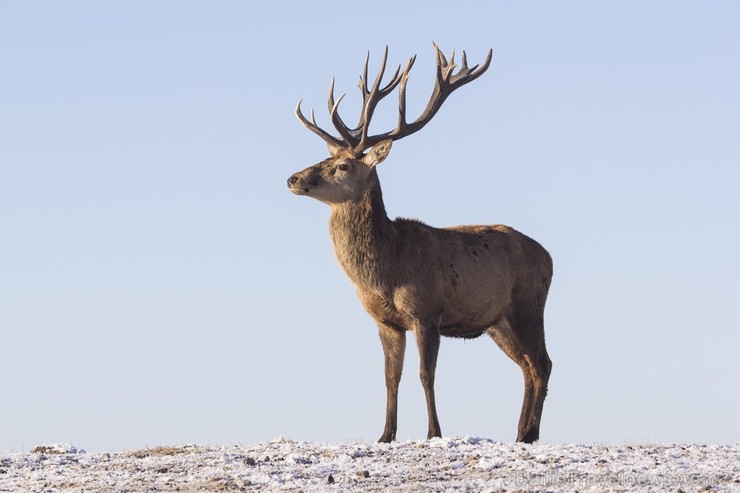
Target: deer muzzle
[(295, 183)]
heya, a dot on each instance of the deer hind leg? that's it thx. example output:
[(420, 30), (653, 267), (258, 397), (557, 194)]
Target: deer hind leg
[(427, 341), (394, 347), (540, 367), (525, 345)]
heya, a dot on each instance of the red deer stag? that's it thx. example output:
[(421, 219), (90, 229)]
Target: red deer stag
[(457, 282)]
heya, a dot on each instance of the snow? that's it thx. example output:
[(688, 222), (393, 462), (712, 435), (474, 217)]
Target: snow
[(466, 464)]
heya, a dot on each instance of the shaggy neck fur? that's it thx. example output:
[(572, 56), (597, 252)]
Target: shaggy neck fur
[(363, 234)]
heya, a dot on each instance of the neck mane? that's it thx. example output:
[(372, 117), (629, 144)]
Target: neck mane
[(363, 235)]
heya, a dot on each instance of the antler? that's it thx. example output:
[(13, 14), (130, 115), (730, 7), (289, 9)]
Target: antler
[(356, 139)]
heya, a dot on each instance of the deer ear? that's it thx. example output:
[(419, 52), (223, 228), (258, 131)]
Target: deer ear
[(378, 153), (333, 149)]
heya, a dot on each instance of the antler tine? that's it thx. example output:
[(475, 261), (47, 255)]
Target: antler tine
[(394, 80), (363, 76), (441, 60), (393, 83), (346, 133), (312, 126), (402, 91), (330, 99), (381, 72), (339, 124), (449, 68)]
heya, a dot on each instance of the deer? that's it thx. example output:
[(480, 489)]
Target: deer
[(458, 282)]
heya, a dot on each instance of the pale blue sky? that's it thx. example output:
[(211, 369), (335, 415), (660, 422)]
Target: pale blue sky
[(160, 285)]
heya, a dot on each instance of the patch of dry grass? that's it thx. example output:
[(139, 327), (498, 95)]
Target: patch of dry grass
[(162, 451)]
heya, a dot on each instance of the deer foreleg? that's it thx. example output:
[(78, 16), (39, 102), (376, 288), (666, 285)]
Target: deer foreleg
[(394, 346), (427, 340)]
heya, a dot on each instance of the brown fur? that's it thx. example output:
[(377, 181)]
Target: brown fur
[(457, 282)]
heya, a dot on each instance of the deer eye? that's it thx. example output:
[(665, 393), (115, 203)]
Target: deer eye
[(343, 166)]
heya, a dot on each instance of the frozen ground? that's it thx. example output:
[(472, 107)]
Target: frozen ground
[(448, 464)]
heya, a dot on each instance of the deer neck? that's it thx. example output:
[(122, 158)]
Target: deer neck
[(363, 237)]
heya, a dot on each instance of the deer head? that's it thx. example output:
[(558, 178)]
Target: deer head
[(340, 178), (354, 154)]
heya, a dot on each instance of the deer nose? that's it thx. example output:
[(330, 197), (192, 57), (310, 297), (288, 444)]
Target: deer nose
[(293, 180)]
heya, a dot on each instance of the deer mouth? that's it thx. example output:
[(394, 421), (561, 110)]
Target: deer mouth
[(299, 190)]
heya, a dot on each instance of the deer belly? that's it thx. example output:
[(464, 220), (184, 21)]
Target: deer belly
[(462, 331)]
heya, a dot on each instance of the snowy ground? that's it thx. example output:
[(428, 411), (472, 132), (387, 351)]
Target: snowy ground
[(448, 464)]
